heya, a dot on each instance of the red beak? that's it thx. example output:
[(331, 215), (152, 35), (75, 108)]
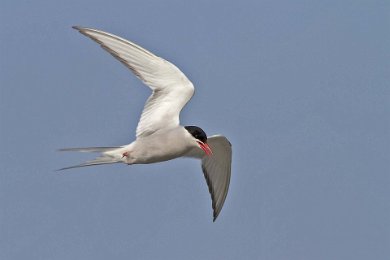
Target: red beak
[(205, 147)]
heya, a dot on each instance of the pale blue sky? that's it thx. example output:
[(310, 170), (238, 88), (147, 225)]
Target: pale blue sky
[(301, 88)]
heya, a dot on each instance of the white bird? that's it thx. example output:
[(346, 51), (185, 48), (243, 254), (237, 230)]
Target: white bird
[(159, 136)]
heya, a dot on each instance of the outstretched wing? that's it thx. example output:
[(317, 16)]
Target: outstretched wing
[(171, 88), (217, 169)]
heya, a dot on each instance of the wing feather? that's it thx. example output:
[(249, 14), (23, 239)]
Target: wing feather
[(171, 89), (217, 171)]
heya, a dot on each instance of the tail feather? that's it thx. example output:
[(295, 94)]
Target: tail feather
[(97, 161), (105, 158), (90, 149)]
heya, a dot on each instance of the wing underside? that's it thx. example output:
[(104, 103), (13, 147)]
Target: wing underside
[(171, 88), (217, 171)]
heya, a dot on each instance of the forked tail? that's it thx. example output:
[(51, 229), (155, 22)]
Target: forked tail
[(108, 155)]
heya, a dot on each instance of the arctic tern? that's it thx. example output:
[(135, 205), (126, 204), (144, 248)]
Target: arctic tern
[(159, 136)]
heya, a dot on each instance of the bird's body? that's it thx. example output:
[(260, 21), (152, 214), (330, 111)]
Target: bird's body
[(163, 145), (159, 146), (159, 136)]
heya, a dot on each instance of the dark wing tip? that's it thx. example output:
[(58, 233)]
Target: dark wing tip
[(215, 214), (76, 27), (82, 30), (211, 191), (65, 168)]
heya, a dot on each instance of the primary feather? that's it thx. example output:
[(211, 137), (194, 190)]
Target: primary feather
[(171, 88), (217, 171)]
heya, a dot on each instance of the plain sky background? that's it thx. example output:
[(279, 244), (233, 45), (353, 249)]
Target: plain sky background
[(301, 89)]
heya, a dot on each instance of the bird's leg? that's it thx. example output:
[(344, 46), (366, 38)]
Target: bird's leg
[(125, 154)]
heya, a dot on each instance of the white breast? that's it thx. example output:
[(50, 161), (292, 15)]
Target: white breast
[(162, 146)]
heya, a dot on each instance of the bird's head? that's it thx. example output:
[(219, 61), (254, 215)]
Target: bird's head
[(200, 137)]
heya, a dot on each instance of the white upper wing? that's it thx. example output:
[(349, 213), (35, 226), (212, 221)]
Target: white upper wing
[(217, 170), (171, 88)]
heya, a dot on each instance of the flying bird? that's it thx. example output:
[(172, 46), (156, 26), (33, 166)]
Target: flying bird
[(159, 135)]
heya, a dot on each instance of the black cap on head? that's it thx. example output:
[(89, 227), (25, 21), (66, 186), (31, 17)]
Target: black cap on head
[(197, 133)]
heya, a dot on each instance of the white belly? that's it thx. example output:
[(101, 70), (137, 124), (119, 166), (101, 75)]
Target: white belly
[(163, 146)]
